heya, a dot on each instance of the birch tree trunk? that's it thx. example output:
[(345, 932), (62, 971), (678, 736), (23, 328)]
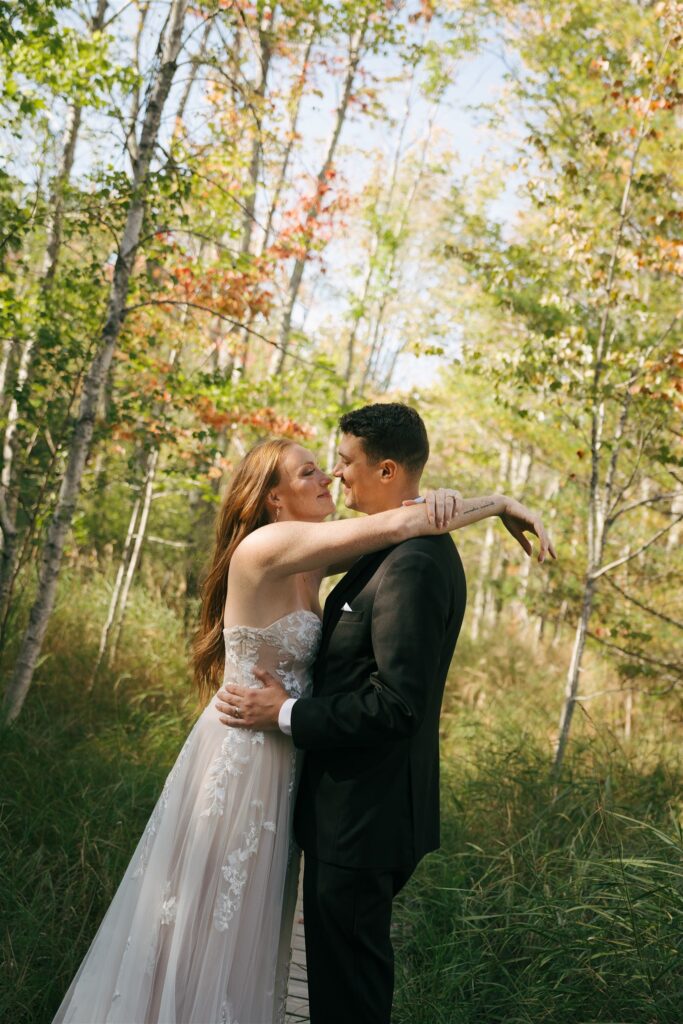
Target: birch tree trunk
[(600, 492), (115, 594), (572, 685), (131, 550), (292, 134), (239, 367), (265, 54), (280, 354), (168, 49), (8, 488), (375, 353), (483, 575), (481, 592), (139, 536), (239, 334), (8, 485), (8, 346), (371, 268)]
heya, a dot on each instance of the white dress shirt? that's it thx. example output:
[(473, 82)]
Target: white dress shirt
[(284, 719)]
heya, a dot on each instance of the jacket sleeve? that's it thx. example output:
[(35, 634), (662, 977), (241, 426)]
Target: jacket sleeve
[(409, 620)]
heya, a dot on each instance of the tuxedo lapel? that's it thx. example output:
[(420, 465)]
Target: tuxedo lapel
[(353, 581)]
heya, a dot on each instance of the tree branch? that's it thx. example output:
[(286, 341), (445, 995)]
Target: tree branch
[(643, 501), (645, 607), (229, 320), (643, 547), (677, 670)]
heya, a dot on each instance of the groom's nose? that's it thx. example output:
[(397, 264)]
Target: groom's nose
[(337, 471)]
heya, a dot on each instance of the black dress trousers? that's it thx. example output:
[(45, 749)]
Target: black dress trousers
[(349, 954)]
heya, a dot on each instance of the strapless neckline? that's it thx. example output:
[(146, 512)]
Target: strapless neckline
[(277, 622)]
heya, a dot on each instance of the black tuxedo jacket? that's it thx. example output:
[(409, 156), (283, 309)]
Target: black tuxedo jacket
[(369, 790)]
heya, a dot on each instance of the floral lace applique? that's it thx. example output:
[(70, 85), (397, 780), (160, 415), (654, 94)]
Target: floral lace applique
[(234, 755), (153, 954), (225, 1017), (296, 633), (235, 870), (169, 906)]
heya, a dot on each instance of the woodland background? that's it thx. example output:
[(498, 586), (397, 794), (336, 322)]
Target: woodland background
[(222, 220)]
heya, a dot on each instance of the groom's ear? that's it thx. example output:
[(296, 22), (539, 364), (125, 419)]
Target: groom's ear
[(388, 470)]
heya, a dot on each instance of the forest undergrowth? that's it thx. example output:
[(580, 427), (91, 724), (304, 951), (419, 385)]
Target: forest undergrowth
[(548, 902)]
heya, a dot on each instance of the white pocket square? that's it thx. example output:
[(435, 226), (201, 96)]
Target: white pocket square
[(346, 607)]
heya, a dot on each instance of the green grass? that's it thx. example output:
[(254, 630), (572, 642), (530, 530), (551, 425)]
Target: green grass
[(561, 905), (556, 905), (80, 775)]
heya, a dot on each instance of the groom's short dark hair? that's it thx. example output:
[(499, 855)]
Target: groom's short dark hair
[(389, 430)]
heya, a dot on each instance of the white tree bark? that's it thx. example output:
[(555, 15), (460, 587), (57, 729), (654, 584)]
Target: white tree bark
[(8, 487), (600, 491), (168, 49), (7, 349), (674, 538), (481, 591), (292, 134), (114, 600), (573, 681), (280, 354), (8, 495), (240, 336), (139, 536), (481, 588)]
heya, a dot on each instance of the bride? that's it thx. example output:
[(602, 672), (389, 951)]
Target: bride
[(199, 930)]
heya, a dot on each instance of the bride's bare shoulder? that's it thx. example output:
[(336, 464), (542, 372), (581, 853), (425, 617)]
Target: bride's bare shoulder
[(258, 547)]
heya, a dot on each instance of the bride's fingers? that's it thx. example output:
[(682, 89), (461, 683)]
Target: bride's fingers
[(430, 503), (267, 678), (226, 714), (440, 507), (546, 544), (234, 723), (517, 532)]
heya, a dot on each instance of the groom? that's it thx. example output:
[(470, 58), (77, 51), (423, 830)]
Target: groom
[(368, 802)]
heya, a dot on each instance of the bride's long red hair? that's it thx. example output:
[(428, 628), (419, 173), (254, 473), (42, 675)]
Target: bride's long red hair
[(243, 510)]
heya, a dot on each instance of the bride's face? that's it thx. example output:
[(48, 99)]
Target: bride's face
[(303, 491)]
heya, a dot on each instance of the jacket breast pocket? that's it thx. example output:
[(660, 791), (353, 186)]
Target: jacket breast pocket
[(351, 617)]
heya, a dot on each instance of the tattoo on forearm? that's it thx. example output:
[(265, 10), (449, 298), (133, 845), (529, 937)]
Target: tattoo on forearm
[(478, 508)]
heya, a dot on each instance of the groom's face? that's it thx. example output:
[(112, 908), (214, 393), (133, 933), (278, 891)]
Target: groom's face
[(361, 480)]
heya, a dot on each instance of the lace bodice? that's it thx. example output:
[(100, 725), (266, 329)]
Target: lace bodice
[(286, 647)]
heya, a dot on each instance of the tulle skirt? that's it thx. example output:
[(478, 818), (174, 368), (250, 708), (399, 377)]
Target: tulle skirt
[(199, 930)]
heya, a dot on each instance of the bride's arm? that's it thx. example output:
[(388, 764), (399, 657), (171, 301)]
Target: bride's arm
[(441, 505), (444, 503), (283, 549)]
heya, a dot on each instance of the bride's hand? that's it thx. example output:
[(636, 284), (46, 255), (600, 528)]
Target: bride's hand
[(518, 520), (442, 505)]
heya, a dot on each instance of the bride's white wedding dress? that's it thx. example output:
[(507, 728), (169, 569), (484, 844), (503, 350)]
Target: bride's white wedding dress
[(199, 930)]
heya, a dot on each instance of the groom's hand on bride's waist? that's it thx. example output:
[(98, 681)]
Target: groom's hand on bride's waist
[(246, 708)]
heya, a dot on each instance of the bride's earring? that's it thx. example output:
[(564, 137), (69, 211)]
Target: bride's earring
[(277, 514)]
